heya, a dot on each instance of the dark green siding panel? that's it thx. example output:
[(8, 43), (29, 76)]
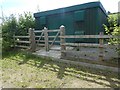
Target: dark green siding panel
[(53, 22), (79, 15), (40, 23), (79, 19), (42, 20), (102, 20), (90, 23), (66, 19), (37, 23)]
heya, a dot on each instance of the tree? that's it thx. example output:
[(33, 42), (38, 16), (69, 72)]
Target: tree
[(25, 22), (8, 28), (13, 26)]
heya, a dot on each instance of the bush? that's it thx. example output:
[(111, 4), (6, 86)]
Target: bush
[(13, 26), (113, 28)]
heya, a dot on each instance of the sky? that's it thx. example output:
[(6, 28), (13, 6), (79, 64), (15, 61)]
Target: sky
[(20, 6)]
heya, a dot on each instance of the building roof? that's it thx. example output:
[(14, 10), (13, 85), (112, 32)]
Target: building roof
[(71, 8)]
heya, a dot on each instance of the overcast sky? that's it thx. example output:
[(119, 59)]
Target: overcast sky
[(19, 6)]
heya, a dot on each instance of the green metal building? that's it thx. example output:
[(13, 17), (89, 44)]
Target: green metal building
[(80, 19)]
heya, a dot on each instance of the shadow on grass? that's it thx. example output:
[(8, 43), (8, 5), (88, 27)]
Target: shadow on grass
[(9, 53), (62, 69)]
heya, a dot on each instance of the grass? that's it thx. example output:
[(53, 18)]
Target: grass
[(21, 69)]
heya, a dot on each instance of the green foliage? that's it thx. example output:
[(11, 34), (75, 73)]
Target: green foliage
[(113, 28), (25, 22), (113, 25), (8, 29), (12, 26)]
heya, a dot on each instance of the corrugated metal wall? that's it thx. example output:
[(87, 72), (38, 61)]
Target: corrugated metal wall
[(91, 23)]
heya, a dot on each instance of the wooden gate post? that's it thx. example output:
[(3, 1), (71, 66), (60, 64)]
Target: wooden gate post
[(46, 39), (101, 49), (32, 40), (62, 41)]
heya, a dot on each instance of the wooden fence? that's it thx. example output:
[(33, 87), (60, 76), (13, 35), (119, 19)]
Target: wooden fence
[(61, 34), (32, 41), (100, 45)]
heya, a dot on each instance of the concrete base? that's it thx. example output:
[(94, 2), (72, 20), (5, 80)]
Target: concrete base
[(53, 52), (92, 53), (82, 53), (50, 53)]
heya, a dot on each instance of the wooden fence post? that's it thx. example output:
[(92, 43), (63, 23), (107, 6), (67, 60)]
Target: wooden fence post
[(62, 41), (46, 39), (32, 40), (101, 49)]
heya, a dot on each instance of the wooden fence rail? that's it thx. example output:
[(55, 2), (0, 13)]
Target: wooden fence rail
[(90, 36), (39, 31), (22, 41), (85, 45), (44, 36), (21, 36), (30, 41)]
